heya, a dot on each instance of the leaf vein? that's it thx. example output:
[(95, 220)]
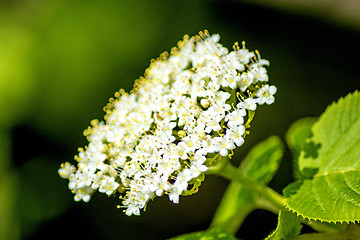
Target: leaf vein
[(343, 132), (353, 189), (339, 193), (316, 197), (344, 152), (336, 171)]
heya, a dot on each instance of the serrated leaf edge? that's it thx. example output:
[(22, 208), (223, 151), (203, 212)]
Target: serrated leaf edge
[(341, 99), (318, 219)]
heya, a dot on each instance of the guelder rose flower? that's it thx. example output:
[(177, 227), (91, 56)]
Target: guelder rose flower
[(188, 111)]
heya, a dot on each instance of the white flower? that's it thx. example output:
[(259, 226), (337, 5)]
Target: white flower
[(108, 185), (159, 137), (246, 79), (212, 124), (132, 210), (174, 194), (85, 177), (259, 74), (223, 145), (83, 193), (66, 169), (248, 103), (234, 61), (218, 110), (181, 150), (244, 55), (97, 180), (265, 95), (233, 81), (196, 169), (235, 133), (159, 185), (236, 117)]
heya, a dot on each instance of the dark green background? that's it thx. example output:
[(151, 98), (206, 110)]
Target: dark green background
[(60, 62)]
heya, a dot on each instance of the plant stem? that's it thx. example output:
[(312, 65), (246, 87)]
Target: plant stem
[(268, 198), (221, 163), (272, 200)]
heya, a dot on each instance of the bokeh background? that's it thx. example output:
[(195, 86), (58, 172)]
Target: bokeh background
[(61, 60)]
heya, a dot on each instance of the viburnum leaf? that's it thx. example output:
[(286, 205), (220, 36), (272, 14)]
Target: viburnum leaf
[(296, 139), (332, 155), (289, 226)]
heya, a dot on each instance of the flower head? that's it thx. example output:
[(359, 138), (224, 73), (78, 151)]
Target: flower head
[(161, 137)]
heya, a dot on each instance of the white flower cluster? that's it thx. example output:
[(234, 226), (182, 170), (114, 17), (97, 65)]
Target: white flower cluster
[(189, 109)]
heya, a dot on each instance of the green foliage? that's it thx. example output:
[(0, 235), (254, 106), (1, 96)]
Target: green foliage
[(296, 139), (260, 165), (326, 154), (206, 235), (331, 197), (289, 226), (338, 134), (263, 160), (332, 155), (61, 58)]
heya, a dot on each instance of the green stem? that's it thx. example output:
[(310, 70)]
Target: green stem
[(268, 199), (232, 223), (272, 200), (221, 162)]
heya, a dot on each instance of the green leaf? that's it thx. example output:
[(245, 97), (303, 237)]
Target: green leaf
[(206, 235), (263, 160), (289, 226), (260, 164), (332, 155), (332, 197), (296, 139), (335, 144)]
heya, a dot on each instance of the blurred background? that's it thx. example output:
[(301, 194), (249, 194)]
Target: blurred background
[(61, 60)]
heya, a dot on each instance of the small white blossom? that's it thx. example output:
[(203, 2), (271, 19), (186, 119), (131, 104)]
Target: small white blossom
[(159, 185), (236, 132), (244, 55), (83, 193), (246, 79), (236, 117), (249, 103), (223, 145), (196, 169), (108, 185), (266, 95), (132, 210), (66, 170)]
